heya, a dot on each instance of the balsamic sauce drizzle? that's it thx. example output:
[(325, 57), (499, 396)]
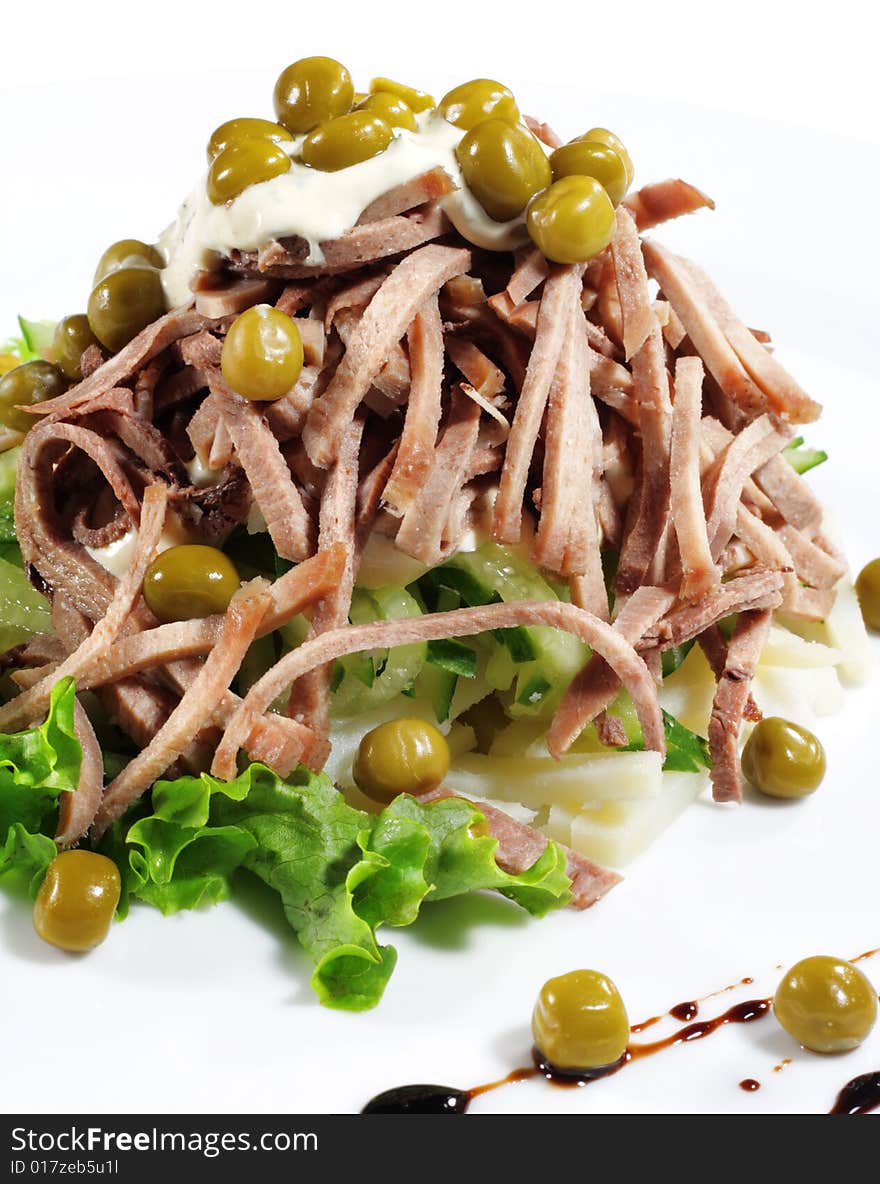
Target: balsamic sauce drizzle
[(858, 1096)]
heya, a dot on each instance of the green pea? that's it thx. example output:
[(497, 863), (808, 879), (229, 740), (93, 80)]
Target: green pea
[(389, 107), (73, 336), (401, 756), (242, 164), (782, 759), (503, 166), (826, 1004), (190, 581), (77, 899), (416, 100), (244, 128), (868, 592), (29, 383), (580, 1023), (262, 354), (472, 102), (601, 135), (586, 158), (346, 141), (128, 252), (123, 304), (572, 221), (312, 91)]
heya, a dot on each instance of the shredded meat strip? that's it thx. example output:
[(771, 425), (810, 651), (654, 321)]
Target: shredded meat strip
[(730, 701), (240, 625), (23, 709), (593, 689), (271, 483), (561, 292), (664, 200), (76, 810), (459, 623), (699, 573), (383, 324), (416, 451)]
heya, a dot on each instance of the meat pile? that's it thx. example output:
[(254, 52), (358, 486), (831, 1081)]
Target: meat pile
[(442, 385)]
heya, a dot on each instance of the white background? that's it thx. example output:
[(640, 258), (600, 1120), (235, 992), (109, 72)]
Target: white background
[(698, 90), (808, 63)]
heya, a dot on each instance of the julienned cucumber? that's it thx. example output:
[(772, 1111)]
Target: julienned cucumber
[(371, 679), (537, 662)]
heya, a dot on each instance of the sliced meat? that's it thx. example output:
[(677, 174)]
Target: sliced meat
[(382, 326), (784, 396), (427, 187), (595, 687), (77, 810), (227, 296), (416, 451), (561, 294), (421, 531), (723, 485), (31, 704), (714, 645), (256, 449), (180, 322), (479, 370), (460, 623), (728, 708), (636, 309), (812, 563), (532, 269), (699, 573), (355, 248), (240, 626), (309, 700), (649, 511), (664, 200), (756, 589)]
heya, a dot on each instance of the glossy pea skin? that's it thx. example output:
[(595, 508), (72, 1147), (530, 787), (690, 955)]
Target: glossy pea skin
[(128, 252), (503, 166), (24, 385), (416, 100), (262, 354), (73, 335), (571, 221), (77, 900), (586, 158), (123, 303), (392, 109), (188, 581), (400, 756), (579, 1022), (782, 759), (470, 103), (233, 131), (868, 592), (345, 141), (311, 91), (242, 164), (601, 135), (826, 1004)]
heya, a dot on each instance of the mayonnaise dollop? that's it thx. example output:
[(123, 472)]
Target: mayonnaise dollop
[(318, 206)]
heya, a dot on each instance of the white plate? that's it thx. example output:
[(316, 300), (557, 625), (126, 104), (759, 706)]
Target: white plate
[(212, 1011)]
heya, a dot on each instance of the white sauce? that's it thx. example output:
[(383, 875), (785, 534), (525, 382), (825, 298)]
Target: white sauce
[(318, 206), (200, 475), (116, 557)]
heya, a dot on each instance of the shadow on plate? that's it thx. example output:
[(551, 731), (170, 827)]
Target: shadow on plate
[(262, 905), (446, 924)]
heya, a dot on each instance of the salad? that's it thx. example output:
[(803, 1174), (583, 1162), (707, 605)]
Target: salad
[(405, 522)]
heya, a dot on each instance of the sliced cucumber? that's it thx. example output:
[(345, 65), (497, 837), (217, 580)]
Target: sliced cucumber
[(392, 670)]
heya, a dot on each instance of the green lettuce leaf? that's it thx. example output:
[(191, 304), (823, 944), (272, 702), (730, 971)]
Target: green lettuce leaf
[(36, 766), (340, 873)]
